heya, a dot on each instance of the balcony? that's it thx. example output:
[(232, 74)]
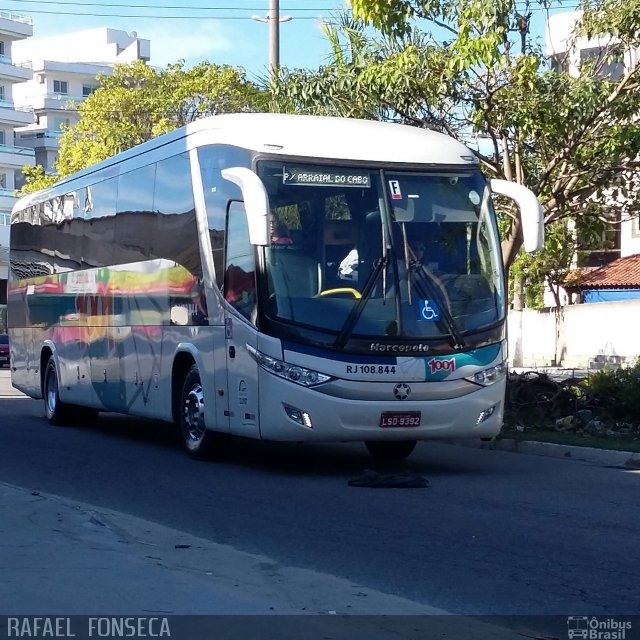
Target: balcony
[(55, 102), (4, 240), (38, 139), (7, 200), (15, 116), (16, 156), (14, 71), (13, 24)]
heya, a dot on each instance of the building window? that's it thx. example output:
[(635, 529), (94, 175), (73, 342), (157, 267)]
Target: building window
[(1, 92), (2, 137), (60, 123), (610, 63), (1, 47), (88, 89), (3, 180), (61, 86), (598, 243)]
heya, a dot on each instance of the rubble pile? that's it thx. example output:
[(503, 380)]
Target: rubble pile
[(536, 401)]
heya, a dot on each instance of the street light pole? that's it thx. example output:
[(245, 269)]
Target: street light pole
[(274, 20), (274, 36)]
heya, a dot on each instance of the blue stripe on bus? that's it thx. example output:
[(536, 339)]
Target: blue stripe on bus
[(336, 355)]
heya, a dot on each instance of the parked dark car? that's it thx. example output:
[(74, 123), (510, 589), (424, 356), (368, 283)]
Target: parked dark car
[(4, 350)]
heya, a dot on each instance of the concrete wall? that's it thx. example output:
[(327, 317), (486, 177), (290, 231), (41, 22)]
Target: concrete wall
[(582, 336), (629, 237)]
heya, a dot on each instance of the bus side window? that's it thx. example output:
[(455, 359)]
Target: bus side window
[(239, 287)]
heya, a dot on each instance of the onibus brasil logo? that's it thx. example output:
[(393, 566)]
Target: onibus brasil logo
[(592, 628)]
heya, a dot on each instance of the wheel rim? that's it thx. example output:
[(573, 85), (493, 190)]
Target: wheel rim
[(52, 391), (193, 414)]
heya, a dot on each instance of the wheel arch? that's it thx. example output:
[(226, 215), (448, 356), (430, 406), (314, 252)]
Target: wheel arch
[(186, 356), (47, 352)]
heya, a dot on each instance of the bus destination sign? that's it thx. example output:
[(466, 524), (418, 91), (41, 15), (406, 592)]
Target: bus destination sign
[(325, 177)]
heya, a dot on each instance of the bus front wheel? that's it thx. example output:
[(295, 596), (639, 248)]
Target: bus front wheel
[(391, 450), (196, 437)]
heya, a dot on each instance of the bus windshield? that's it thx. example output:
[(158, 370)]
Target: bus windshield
[(372, 253)]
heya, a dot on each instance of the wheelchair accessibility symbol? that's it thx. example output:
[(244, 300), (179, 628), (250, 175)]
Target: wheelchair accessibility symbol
[(429, 311)]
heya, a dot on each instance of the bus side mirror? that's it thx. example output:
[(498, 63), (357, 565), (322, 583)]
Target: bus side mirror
[(530, 211), (256, 202)]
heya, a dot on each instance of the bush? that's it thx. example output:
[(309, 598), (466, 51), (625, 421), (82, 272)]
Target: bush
[(617, 392)]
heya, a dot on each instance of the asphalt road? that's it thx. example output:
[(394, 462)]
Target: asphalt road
[(494, 533)]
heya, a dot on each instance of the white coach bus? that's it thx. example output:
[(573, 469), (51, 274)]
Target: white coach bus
[(290, 278)]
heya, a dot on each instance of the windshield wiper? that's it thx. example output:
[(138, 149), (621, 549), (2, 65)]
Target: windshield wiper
[(435, 294), (358, 308)]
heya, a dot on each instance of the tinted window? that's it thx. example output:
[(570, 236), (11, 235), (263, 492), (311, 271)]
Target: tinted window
[(99, 229), (176, 236), (218, 192), (239, 278), (135, 222)]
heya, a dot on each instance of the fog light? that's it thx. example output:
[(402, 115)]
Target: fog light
[(486, 414), (299, 416)]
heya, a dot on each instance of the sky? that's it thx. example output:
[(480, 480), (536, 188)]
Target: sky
[(219, 31), (194, 30)]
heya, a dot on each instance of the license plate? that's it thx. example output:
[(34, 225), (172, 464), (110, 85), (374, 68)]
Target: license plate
[(400, 419)]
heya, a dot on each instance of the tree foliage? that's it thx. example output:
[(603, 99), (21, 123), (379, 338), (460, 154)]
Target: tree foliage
[(139, 102), (36, 178), (471, 69)]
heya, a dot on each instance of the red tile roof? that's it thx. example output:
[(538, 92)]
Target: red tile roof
[(573, 278), (623, 272)]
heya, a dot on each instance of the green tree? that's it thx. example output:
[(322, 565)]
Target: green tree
[(35, 179), (471, 69), (139, 102)]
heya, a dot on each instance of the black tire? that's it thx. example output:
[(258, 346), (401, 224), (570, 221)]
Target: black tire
[(57, 412), (387, 451), (197, 439)]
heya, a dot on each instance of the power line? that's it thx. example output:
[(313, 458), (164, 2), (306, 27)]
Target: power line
[(156, 6), (146, 15)]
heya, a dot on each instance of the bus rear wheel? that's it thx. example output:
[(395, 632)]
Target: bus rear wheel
[(391, 450), (197, 439), (57, 412)]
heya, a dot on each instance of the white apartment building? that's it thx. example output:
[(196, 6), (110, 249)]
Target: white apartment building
[(13, 155), (567, 53), (65, 70)]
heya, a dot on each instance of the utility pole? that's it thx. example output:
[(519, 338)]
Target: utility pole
[(274, 20)]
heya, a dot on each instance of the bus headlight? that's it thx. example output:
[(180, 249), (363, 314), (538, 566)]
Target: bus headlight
[(292, 372), (489, 376)]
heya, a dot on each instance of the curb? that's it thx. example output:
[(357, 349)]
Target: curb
[(601, 457)]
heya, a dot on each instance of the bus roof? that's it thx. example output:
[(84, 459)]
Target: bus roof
[(335, 138), (305, 136)]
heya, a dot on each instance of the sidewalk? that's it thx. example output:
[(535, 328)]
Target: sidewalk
[(6, 389), (63, 557), (601, 457), (84, 571)]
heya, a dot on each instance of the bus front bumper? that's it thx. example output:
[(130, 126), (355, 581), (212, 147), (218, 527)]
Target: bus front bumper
[(290, 412)]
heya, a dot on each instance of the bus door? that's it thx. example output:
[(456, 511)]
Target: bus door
[(239, 291)]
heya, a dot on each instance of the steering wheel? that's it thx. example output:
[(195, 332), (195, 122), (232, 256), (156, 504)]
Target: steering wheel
[(332, 292)]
